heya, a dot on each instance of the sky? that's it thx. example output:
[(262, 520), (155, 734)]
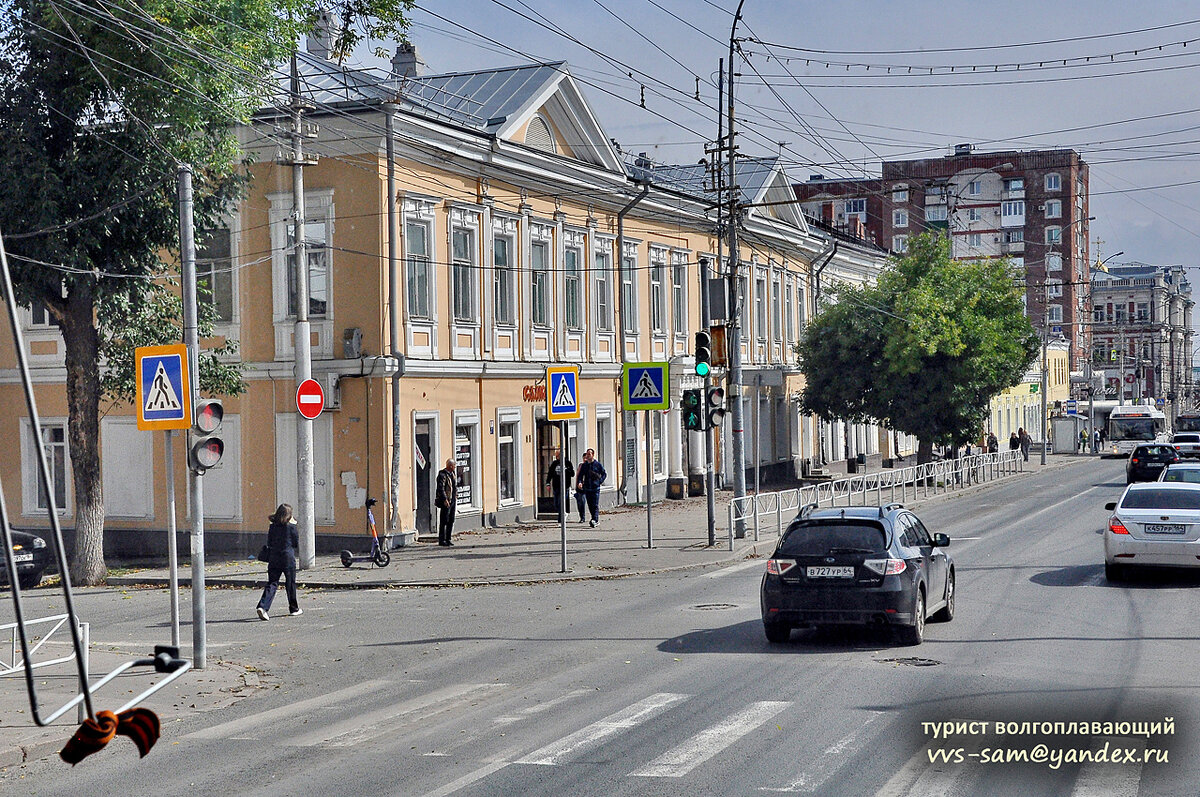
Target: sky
[(813, 85)]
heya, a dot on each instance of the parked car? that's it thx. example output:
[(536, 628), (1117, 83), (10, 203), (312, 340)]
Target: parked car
[(31, 557), (1153, 524), (1187, 444), (1147, 461), (1181, 472), (858, 565)]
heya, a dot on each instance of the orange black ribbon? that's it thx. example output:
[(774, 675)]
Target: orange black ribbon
[(139, 724)]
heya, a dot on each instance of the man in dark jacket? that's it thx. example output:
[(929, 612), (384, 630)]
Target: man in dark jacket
[(591, 475), (554, 478), (446, 500)]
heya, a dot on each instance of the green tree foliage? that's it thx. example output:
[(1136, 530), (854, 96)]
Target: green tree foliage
[(99, 103), (924, 349)]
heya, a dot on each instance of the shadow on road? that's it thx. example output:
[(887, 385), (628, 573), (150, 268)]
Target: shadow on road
[(747, 637), (1135, 578)]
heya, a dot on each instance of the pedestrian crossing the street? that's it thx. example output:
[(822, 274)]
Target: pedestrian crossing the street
[(671, 740)]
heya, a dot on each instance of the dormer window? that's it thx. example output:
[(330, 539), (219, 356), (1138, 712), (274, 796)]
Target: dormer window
[(539, 136)]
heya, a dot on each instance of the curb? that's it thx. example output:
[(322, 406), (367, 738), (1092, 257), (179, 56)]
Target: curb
[(20, 754)]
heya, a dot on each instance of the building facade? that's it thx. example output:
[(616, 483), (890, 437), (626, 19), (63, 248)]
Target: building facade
[(509, 206)]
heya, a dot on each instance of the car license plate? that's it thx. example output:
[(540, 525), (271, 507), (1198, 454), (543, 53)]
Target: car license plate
[(22, 557), (831, 572), (1165, 528)]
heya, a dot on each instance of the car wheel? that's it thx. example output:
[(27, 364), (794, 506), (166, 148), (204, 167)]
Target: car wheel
[(1114, 572), (777, 632), (914, 634), (946, 613), (29, 580)]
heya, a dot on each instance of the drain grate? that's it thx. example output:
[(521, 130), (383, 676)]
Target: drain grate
[(712, 607), (910, 661)]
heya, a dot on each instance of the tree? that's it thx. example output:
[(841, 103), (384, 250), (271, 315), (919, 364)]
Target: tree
[(99, 103), (924, 349)]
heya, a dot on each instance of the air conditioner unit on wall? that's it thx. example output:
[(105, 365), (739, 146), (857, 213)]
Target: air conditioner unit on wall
[(333, 391)]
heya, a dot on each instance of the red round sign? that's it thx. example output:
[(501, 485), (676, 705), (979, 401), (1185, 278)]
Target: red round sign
[(310, 398)]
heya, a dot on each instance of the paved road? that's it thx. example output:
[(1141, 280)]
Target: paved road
[(665, 685)]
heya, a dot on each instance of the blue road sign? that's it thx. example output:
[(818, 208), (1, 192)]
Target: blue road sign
[(163, 395), (562, 394), (644, 387)]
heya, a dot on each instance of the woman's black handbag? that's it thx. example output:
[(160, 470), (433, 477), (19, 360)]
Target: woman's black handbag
[(264, 554)]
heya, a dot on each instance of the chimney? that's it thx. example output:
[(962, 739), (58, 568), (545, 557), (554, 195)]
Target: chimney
[(320, 41), (407, 61), (643, 162), (963, 149)]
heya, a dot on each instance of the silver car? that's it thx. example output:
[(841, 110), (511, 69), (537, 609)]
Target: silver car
[(1181, 472), (1154, 524)]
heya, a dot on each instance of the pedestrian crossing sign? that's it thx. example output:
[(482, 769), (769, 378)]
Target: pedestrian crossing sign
[(644, 386), (562, 392), (164, 399)]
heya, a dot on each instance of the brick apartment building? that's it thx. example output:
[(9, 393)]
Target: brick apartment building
[(1031, 207)]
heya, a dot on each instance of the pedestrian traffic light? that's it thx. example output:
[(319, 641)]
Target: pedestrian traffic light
[(716, 406), (703, 353), (205, 448), (693, 415)]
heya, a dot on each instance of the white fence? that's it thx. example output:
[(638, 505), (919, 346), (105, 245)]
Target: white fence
[(898, 484)]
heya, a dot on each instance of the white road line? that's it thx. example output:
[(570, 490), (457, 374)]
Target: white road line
[(682, 759), (1111, 780), (235, 728), (826, 763), (595, 733), (467, 779), (384, 720), (740, 566), (920, 777), (525, 713)]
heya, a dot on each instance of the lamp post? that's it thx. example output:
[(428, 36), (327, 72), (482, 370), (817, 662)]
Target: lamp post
[(1046, 343)]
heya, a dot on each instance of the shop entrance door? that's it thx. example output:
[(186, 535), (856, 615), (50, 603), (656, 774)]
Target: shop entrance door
[(425, 468), (547, 442)]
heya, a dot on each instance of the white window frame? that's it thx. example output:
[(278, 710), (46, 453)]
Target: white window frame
[(606, 444), (900, 193), (471, 420), (679, 305), (411, 305), (1053, 181), (936, 213), (1053, 236), (464, 271), (854, 206), (628, 278), (1054, 261), (504, 289), (1054, 288), (574, 293), (541, 301), (789, 310), (1054, 313), (776, 306), (974, 214), (900, 244), (318, 209), (226, 270), (900, 217), (30, 473), (602, 284), (975, 240), (504, 417), (760, 304), (1054, 208), (658, 292), (974, 188)]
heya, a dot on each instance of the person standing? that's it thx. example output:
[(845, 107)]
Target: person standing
[(993, 445), (446, 500), (282, 542), (1026, 442), (591, 476), (1014, 442), (554, 478), (1095, 441)]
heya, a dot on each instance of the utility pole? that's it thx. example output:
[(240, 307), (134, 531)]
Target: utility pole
[(389, 119), (735, 329), (1045, 376), (302, 341)]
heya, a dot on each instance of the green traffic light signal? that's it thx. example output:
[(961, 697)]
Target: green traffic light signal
[(693, 418), (702, 369), (703, 353)]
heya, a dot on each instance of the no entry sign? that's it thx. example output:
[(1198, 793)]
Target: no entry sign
[(310, 398)]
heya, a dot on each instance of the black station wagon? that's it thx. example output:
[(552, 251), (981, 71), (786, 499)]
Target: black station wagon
[(858, 565)]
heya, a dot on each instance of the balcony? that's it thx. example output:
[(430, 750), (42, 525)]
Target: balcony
[(1013, 248)]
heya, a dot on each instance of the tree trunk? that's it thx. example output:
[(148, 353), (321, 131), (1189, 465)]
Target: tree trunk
[(83, 436), (924, 451)]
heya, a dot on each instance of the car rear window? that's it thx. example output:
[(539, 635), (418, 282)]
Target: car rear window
[(1155, 451), (817, 538), (1186, 438), (1182, 475), (1161, 499)]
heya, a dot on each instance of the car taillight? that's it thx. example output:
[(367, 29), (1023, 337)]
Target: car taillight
[(1133, 460), (885, 567), (777, 567), (1117, 527)]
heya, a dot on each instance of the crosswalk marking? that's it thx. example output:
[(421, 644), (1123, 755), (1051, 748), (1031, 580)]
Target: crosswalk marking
[(740, 566), (235, 728), (919, 776), (826, 762), (1111, 780), (382, 720), (467, 779), (593, 734), (525, 713), (683, 758)]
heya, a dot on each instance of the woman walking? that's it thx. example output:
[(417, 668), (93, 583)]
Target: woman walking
[(282, 542)]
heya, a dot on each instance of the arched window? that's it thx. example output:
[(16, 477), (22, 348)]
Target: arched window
[(538, 135)]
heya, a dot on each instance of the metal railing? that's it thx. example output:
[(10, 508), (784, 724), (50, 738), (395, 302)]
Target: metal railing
[(897, 484), (16, 663)]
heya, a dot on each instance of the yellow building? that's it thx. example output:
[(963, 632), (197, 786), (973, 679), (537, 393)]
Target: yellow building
[(1021, 405), (510, 200)]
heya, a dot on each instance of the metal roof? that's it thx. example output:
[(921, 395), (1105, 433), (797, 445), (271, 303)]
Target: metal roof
[(753, 176)]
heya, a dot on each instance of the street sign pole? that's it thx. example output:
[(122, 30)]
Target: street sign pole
[(172, 546), (562, 404), (562, 493), (649, 489)]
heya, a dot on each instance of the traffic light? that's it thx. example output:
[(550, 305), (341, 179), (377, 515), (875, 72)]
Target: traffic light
[(703, 353), (693, 414), (716, 406), (206, 447)]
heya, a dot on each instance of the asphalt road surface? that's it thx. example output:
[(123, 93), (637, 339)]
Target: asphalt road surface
[(666, 685)]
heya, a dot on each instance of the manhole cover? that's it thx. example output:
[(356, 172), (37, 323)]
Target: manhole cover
[(911, 661), (711, 607)]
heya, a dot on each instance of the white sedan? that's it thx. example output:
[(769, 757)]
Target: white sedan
[(1154, 523)]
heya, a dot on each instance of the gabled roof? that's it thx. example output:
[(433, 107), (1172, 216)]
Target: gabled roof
[(498, 102), (761, 180)]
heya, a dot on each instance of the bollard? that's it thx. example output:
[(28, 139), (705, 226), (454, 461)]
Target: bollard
[(756, 511), (85, 640)]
